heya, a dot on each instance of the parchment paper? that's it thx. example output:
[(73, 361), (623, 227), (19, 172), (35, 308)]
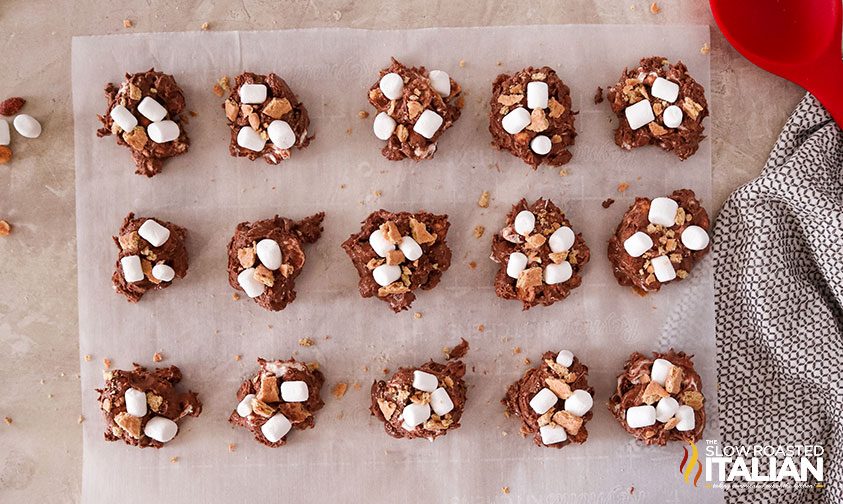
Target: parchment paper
[(199, 327)]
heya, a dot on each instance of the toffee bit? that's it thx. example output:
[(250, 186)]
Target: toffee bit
[(607, 203), (339, 389)]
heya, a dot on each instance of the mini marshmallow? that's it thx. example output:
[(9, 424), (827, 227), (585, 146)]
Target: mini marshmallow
[(562, 239), (250, 139), (663, 211), (663, 269), (639, 114), (579, 403), (244, 407), (132, 270), (384, 126), (151, 109), (565, 358), (252, 93), (163, 272), (441, 402), (425, 382), (154, 233), (687, 420), (385, 274), (392, 85), (440, 82), (525, 222), (640, 416), (123, 118), (558, 273), (379, 243), (660, 370), (536, 95), (672, 116), (552, 434), (637, 244), (695, 238), (415, 414), (135, 402), (163, 132), (543, 401), (5, 137), (276, 428), (665, 89), (294, 391), (281, 134), (516, 264), (428, 124), (540, 145), (161, 429), (269, 253), (410, 248), (27, 126), (666, 408), (247, 281), (516, 120)]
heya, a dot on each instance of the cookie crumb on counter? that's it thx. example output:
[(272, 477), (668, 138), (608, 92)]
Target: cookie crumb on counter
[(205, 26), (478, 231), (106, 363), (654, 8), (5, 228), (598, 95), (127, 23), (505, 490), (607, 203), (623, 186), (417, 315), (362, 114), (705, 49), (7, 420), (483, 202), (306, 342), (232, 447), (339, 389), (157, 357)]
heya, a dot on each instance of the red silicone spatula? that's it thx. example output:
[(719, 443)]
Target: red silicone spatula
[(799, 40)]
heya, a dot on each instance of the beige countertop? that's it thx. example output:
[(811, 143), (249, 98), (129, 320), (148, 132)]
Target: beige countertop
[(40, 451)]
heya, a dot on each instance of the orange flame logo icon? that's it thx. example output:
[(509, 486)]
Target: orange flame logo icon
[(686, 467)]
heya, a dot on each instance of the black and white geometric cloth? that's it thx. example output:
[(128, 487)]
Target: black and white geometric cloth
[(778, 269)]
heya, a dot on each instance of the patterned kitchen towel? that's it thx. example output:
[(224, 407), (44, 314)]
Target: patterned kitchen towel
[(778, 258)]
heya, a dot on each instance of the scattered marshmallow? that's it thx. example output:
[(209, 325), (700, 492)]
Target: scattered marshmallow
[(410, 248), (552, 434), (640, 416), (441, 402), (558, 273), (294, 391), (579, 403), (132, 270), (661, 368), (151, 109), (415, 414), (666, 408), (385, 274), (252, 93), (27, 126), (562, 239), (516, 264), (276, 428), (161, 429), (637, 244), (281, 134), (687, 420), (525, 222), (135, 402), (639, 114), (425, 382), (541, 145), (392, 86), (440, 82), (543, 401), (154, 233), (516, 120), (163, 272), (269, 253), (379, 243), (163, 132), (250, 139), (665, 89), (695, 238), (537, 95), (244, 407), (428, 124), (5, 137), (123, 118), (247, 281), (663, 269), (565, 358), (663, 211), (672, 116), (384, 126)]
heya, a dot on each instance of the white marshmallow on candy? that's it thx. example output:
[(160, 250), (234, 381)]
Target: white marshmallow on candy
[(543, 401), (5, 137), (161, 429), (410, 248), (552, 434), (565, 358), (660, 370), (440, 82), (687, 420), (123, 118), (639, 114), (384, 126), (163, 131), (541, 145), (250, 139), (163, 272), (525, 222), (666, 408), (276, 428), (665, 89), (132, 270), (537, 95), (663, 269), (385, 274), (415, 414), (269, 253), (637, 244), (379, 243), (516, 120), (558, 273), (252, 93), (428, 124), (425, 382), (252, 287), (663, 211), (672, 116), (640, 416), (516, 263), (441, 402), (294, 391), (27, 126), (579, 403), (392, 86), (562, 239), (151, 109), (135, 402), (244, 407), (281, 134), (154, 233), (695, 238)]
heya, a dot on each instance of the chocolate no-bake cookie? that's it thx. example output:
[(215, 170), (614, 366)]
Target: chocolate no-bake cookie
[(535, 400), (660, 399), (659, 103), (414, 108), (660, 240), (142, 407), (541, 258), (144, 114), (283, 395), (266, 118), (531, 116), (151, 254), (266, 256), (397, 253)]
